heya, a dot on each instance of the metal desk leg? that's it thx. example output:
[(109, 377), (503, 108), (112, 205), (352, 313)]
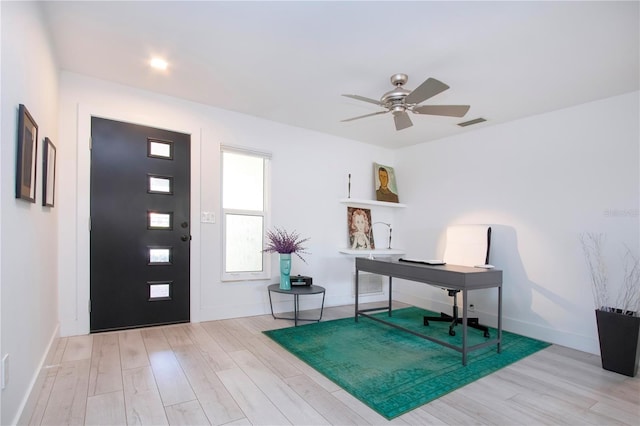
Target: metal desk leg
[(295, 310), (390, 293), (464, 327), (499, 318), (356, 314)]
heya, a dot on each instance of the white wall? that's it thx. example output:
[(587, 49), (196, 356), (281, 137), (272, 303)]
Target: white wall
[(548, 179), (28, 231), (309, 176), (540, 182)]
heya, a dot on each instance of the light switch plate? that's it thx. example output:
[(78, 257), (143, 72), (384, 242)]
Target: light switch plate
[(207, 217)]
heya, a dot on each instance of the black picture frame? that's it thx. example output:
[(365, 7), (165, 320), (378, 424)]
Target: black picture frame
[(48, 173), (26, 155)]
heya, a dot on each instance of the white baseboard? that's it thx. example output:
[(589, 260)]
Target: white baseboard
[(30, 399)]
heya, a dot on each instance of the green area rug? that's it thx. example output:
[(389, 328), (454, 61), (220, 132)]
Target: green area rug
[(393, 371)]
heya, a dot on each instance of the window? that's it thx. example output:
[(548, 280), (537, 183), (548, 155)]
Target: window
[(244, 207)]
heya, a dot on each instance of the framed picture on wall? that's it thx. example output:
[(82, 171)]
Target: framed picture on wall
[(359, 225), (385, 183), (48, 173), (26, 155)]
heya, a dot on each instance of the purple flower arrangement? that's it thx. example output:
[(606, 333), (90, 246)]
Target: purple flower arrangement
[(281, 241)]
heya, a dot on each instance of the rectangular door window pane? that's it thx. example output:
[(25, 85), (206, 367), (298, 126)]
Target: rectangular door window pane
[(159, 149), (244, 244), (160, 220), (159, 255), (160, 290), (242, 182), (160, 185)]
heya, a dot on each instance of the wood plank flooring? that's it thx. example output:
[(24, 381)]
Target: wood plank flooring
[(228, 373)]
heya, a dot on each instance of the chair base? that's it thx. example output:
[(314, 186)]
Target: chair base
[(471, 322)]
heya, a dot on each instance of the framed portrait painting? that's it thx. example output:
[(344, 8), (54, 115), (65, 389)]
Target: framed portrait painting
[(48, 173), (26, 156), (359, 225), (385, 183)]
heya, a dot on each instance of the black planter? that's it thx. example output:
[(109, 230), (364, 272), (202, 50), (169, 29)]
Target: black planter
[(619, 340)]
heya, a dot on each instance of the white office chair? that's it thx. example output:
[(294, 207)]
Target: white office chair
[(466, 245)]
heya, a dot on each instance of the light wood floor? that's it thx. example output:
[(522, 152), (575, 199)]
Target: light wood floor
[(228, 372)]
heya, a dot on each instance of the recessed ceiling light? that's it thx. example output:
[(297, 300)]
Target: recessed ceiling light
[(159, 64)]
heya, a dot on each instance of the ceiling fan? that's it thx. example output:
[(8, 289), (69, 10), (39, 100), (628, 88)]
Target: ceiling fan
[(400, 100)]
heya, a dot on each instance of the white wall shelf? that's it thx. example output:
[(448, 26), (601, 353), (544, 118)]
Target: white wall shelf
[(361, 201), (374, 252)]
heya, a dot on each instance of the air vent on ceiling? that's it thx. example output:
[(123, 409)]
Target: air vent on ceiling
[(471, 122)]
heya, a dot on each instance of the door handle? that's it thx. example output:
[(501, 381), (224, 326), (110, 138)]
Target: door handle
[(186, 238)]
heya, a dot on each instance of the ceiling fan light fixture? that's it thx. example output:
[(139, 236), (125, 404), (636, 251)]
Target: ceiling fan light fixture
[(396, 95), (399, 101)]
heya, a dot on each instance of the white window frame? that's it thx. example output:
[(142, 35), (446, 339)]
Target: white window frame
[(266, 213)]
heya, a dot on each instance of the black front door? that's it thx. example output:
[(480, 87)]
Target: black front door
[(140, 231)]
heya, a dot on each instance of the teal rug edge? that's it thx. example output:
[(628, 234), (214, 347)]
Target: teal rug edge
[(394, 393)]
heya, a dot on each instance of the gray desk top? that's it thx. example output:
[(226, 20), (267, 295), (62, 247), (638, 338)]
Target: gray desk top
[(449, 276)]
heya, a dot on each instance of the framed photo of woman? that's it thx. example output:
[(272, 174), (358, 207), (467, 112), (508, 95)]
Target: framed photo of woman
[(359, 225)]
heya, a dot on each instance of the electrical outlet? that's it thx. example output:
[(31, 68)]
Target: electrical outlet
[(472, 307), (4, 371)]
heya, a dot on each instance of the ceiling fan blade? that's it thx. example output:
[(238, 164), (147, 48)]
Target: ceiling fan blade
[(430, 87), (402, 120), (363, 116), (448, 110), (362, 98)]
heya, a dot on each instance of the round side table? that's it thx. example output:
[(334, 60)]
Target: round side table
[(297, 291)]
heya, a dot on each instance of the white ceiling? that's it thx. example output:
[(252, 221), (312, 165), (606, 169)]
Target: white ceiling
[(290, 61)]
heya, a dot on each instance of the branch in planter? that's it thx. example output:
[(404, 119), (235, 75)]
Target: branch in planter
[(628, 300), (592, 248), (629, 296)]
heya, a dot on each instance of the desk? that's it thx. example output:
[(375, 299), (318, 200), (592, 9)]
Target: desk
[(457, 277), (297, 291)]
